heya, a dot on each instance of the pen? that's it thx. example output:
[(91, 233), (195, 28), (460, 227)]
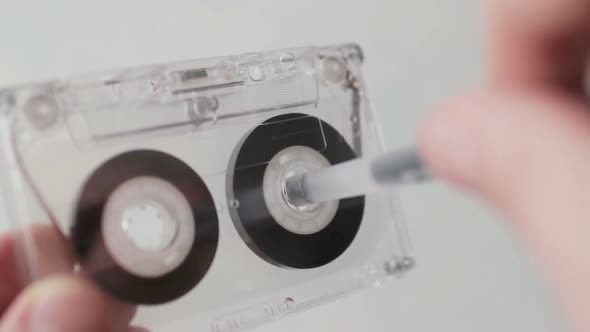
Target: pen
[(358, 177)]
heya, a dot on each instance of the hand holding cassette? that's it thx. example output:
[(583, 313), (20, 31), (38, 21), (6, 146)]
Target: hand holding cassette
[(49, 304), (171, 185)]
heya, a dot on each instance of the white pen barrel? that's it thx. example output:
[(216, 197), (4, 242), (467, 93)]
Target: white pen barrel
[(360, 177), (344, 180)]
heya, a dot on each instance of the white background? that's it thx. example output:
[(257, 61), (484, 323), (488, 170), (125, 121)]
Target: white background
[(472, 274)]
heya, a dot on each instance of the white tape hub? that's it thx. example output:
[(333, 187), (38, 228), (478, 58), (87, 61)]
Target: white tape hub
[(293, 162), (148, 226)]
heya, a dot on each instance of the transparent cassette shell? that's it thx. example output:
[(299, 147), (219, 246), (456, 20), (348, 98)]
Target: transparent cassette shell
[(54, 135)]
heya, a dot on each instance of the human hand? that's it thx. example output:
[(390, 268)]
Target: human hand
[(522, 142), (59, 302)]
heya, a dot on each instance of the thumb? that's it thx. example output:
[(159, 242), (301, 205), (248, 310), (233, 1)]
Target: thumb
[(528, 154), (65, 304)]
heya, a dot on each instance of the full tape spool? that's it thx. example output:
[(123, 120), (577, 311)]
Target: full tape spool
[(146, 228), (282, 147)]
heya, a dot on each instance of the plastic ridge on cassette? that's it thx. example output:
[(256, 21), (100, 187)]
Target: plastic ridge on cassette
[(170, 186)]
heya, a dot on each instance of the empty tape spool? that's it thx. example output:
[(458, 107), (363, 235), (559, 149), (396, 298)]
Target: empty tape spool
[(282, 233), (146, 228)]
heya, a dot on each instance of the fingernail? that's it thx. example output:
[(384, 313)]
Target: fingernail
[(57, 305), (52, 306), (70, 305)]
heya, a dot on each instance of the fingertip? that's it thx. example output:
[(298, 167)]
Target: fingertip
[(65, 304), (137, 329), (509, 147), (10, 283), (46, 248), (39, 250), (53, 250), (447, 141)]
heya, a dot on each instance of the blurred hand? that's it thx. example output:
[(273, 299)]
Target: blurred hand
[(60, 303), (522, 142)]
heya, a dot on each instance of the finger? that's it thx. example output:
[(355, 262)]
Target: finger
[(10, 283), (539, 42), (528, 155), (46, 253), (65, 304), (137, 329)]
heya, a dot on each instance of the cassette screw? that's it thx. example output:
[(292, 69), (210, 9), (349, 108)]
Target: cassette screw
[(202, 109), (234, 203), (42, 111), (334, 70), (397, 267), (207, 104)]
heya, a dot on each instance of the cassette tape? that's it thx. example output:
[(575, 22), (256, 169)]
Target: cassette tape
[(166, 185)]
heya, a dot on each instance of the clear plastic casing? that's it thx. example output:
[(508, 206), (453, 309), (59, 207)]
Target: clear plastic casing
[(54, 136)]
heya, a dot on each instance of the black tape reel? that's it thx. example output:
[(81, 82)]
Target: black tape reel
[(287, 136), (123, 199)]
